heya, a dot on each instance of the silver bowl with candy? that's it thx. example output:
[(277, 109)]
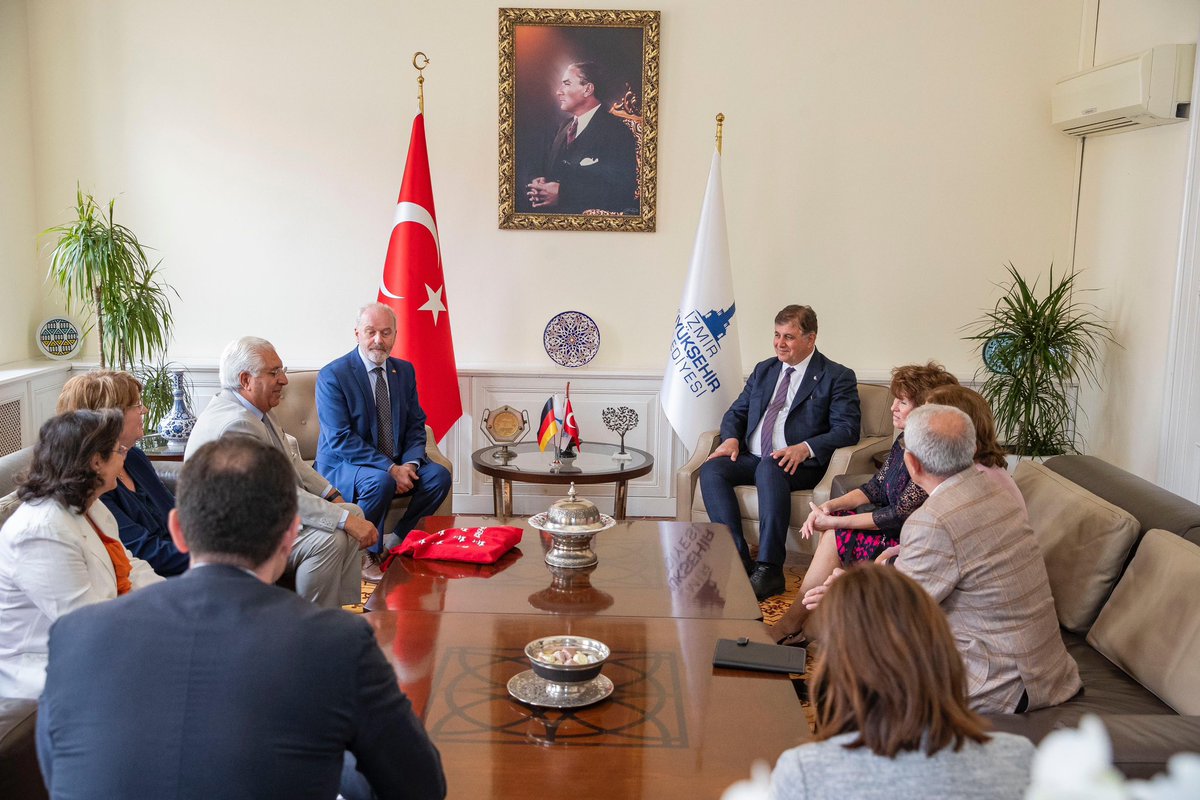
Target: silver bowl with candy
[(566, 658)]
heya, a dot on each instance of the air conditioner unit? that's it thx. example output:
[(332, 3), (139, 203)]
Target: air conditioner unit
[(1153, 87)]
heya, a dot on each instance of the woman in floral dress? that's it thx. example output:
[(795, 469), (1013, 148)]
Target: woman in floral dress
[(861, 536)]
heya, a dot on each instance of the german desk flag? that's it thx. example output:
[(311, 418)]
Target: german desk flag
[(549, 426)]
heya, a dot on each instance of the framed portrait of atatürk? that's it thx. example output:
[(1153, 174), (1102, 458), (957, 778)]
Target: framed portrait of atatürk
[(578, 119)]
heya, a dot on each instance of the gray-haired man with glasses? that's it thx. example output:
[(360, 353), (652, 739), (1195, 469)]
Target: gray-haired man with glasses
[(325, 559)]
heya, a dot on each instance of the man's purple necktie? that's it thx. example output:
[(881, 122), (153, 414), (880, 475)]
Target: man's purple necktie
[(574, 126), (767, 437)]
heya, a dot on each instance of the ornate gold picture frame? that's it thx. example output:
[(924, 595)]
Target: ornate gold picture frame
[(578, 119)]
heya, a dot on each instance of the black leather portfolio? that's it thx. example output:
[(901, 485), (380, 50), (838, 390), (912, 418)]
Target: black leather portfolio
[(743, 654)]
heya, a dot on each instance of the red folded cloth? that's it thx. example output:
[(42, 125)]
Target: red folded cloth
[(476, 545)]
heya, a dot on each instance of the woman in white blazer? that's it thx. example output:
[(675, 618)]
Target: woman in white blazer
[(60, 549)]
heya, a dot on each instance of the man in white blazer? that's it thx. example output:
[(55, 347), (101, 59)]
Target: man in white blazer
[(325, 558)]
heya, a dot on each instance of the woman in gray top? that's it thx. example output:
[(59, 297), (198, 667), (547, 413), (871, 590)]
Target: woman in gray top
[(891, 708)]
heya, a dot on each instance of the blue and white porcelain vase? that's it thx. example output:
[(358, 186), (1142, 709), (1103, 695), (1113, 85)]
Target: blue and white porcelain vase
[(177, 425)]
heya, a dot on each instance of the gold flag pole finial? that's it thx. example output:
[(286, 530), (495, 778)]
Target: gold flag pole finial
[(720, 131), (420, 78)]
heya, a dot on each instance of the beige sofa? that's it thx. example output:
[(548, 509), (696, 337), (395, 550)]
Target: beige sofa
[(1123, 558), (876, 437), (297, 414)]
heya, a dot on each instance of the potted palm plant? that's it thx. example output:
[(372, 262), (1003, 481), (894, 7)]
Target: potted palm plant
[(102, 268), (1036, 349)]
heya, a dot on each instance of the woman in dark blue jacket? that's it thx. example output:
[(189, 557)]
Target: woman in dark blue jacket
[(141, 502)]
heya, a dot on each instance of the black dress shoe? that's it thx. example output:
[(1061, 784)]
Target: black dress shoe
[(767, 581), (749, 563)]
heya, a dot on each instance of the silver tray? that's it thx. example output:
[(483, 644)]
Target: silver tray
[(529, 688)]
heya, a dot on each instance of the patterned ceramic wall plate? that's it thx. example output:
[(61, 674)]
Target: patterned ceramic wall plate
[(59, 337), (571, 339), (996, 356)]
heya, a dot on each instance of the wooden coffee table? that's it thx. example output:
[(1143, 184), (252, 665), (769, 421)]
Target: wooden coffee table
[(674, 727), (660, 597), (646, 569), (527, 464)]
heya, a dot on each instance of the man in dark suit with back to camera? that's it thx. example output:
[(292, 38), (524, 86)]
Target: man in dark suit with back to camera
[(372, 441), (779, 435), (218, 684), (593, 161)]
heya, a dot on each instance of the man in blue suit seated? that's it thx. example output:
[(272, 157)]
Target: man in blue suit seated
[(372, 441), (779, 435), (220, 684)]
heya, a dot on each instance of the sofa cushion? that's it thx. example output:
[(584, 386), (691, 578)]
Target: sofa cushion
[(1153, 506), (20, 776), (1085, 541), (8, 504), (297, 412), (1150, 627), (11, 466)]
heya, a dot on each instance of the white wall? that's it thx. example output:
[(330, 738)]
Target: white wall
[(20, 299), (882, 161), (1130, 217)]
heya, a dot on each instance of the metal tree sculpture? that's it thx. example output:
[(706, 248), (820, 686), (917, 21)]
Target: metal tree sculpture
[(620, 420)]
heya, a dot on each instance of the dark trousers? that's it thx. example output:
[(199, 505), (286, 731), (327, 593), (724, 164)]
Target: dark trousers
[(375, 488), (718, 479)]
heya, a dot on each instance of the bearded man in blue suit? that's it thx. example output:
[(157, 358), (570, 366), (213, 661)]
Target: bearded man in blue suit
[(372, 441), (779, 436)]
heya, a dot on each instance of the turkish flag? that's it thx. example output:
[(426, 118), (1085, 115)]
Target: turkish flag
[(414, 288)]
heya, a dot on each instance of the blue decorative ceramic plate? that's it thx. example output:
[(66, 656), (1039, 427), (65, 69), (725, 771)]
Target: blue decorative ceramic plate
[(59, 337), (571, 339), (996, 356)]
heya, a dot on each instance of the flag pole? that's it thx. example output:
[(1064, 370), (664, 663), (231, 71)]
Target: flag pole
[(720, 131), (421, 80)]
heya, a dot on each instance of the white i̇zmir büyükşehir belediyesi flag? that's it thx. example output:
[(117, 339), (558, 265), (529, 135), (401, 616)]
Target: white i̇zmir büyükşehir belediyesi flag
[(704, 368)]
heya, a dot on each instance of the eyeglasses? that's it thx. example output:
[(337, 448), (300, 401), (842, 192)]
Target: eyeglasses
[(275, 373), (121, 449)]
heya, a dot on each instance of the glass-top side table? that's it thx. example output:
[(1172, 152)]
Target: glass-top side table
[(595, 462)]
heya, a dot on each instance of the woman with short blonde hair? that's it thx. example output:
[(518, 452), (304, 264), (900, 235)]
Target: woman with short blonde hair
[(140, 502), (890, 696)]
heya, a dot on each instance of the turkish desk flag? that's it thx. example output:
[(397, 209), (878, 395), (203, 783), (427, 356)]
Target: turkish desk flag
[(414, 288)]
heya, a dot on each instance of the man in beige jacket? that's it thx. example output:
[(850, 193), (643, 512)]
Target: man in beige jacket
[(970, 546), (325, 558)]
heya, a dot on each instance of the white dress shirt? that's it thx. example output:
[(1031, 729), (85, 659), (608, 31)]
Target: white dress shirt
[(583, 119), (778, 441)]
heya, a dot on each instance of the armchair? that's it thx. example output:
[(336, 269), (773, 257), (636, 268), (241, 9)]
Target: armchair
[(297, 414), (876, 437)]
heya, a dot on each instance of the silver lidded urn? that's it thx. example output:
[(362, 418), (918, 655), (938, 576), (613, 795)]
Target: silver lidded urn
[(571, 523)]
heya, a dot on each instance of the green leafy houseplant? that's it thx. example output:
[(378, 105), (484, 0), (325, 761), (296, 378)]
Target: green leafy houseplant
[(1035, 350), (102, 268)]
